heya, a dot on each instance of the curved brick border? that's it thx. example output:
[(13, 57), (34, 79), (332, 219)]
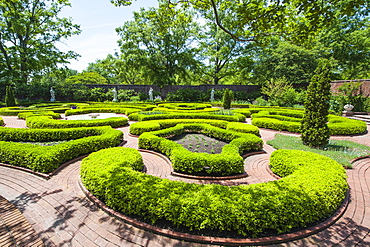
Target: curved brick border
[(218, 240)]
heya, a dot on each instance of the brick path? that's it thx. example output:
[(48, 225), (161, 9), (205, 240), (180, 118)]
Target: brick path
[(61, 215)]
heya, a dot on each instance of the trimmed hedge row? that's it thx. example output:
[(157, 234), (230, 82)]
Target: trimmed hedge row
[(162, 109), (1, 122), (337, 125), (146, 116), (25, 115), (44, 122), (227, 163), (148, 126), (312, 188), (143, 107), (185, 106), (47, 158), (126, 111)]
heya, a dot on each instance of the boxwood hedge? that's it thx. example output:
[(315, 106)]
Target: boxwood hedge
[(1, 122), (148, 126), (48, 122), (184, 161), (25, 115), (47, 158), (146, 116), (291, 121), (312, 188), (185, 106), (126, 111)]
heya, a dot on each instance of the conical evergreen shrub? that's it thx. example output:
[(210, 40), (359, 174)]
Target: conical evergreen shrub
[(315, 132), (227, 98), (9, 97)]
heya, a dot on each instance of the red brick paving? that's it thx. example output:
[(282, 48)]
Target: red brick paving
[(61, 215)]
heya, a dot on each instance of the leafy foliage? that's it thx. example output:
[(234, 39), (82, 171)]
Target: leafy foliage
[(315, 132), (9, 97), (227, 98)]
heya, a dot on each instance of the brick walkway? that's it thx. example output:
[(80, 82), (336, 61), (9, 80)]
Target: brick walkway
[(61, 215)]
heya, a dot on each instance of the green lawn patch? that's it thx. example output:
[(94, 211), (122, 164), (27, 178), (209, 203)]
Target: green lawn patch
[(341, 151)]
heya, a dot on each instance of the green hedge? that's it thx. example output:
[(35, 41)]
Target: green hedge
[(166, 110), (48, 122), (290, 121), (146, 116), (25, 115), (126, 111), (141, 106), (148, 126), (1, 122), (47, 158), (313, 187), (244, 128), (185, 106), (227, 163), (345, 126)]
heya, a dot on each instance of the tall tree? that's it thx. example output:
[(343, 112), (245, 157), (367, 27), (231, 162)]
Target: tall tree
[(315, 132), (219, 51), (254, 21), (29, 30), (162, 46)]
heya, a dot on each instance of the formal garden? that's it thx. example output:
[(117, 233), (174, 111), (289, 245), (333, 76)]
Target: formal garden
[(199, 139)]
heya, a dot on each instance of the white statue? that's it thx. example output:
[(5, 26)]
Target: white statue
[(151, 94), (212, 95), (115, 95), (52, 94)]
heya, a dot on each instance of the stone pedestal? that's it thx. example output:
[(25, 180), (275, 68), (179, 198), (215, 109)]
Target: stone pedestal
[(347, 113)]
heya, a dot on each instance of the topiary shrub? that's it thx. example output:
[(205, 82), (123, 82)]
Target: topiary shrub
[(315, 132), (227, 98), (9, 97)]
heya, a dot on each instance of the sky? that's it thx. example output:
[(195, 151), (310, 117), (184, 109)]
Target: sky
[(98, 20)]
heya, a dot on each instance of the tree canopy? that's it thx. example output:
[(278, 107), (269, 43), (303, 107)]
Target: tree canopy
[(29, 31)]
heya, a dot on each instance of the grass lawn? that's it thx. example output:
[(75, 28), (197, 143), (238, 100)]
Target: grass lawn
[(341, 151)]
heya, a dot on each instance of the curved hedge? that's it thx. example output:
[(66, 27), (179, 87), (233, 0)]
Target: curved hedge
[(184, 161), (48, 122), (185, 106), (146, 116), (25, 115), (148, 126), (126, 111), (47, 158), (166, 110), (312, 188), (141, 106), (291, 121)]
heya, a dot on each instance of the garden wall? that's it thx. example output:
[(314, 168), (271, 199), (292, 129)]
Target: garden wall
[(166, 89), (365, 87)]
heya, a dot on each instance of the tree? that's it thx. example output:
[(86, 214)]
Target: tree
[(285, 60), (315, 132), (9, 97), (220, 51), (280, 92), (162, 46), (255, 21), (29, 30), (87, 78)]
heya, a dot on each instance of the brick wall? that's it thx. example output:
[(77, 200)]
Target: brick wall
[(365, 87)]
